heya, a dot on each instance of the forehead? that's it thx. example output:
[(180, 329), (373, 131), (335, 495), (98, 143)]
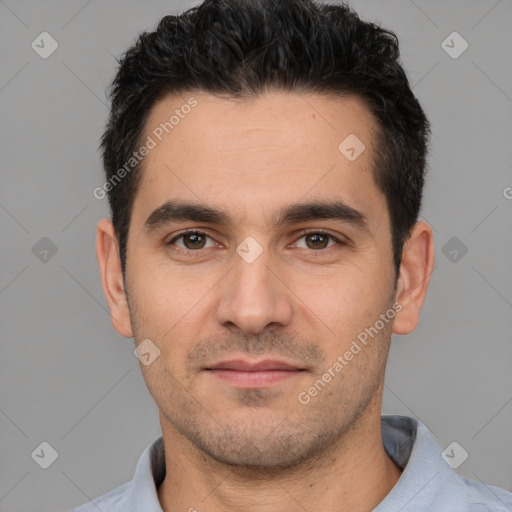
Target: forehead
[(253, 155)]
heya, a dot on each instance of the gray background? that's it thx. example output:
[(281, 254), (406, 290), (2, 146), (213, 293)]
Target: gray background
[(69, 379)]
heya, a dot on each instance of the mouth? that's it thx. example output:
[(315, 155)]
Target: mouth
[(246, 374)]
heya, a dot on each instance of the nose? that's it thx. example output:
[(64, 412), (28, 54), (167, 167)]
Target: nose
[(254, 296)]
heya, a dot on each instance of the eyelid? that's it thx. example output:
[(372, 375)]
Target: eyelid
[(341, 239), (192, 231)]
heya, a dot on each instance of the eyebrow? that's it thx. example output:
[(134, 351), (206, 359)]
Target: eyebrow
[(177, 211)]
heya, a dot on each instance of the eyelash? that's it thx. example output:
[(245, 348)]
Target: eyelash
[(198, 252)]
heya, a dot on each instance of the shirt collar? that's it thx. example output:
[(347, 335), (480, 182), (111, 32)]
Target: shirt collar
[(149, 474), (427, 482)]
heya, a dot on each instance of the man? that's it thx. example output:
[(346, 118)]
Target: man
[(265, 163)]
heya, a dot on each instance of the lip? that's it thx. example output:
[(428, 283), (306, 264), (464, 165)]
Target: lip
[(247, 366), (246, 374)]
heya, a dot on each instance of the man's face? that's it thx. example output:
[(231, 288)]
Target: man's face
[(255, 289)]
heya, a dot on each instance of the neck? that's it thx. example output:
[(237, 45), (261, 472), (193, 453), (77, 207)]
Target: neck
[(353, 475)]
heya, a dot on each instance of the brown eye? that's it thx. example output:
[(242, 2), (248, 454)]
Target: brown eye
[(192, 240), (318, 240)]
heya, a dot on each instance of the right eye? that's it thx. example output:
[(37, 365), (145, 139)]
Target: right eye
[(193, 241)]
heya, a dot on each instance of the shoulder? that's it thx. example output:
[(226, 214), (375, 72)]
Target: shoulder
[(111, 501), (486, 498)]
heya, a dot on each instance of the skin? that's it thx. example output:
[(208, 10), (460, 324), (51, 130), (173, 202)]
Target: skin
[(228, 448)]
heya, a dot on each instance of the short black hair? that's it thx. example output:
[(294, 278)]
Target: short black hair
[(243, 48)]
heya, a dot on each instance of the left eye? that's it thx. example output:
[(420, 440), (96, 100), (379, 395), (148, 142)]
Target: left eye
[(319, 239)]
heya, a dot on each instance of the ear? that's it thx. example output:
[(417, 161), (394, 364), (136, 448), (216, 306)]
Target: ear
[(415, 271), (107, 252)]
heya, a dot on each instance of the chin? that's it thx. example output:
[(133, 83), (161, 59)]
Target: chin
[(255, 447)]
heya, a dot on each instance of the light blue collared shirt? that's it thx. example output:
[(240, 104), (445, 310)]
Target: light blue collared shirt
[(427, 483)]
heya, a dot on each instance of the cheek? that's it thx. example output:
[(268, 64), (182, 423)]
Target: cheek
[(344, 302), (167, 296), (169, 309)]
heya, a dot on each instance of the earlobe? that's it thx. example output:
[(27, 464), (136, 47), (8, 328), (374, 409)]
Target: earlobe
[(109, 262), (415, 271)]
